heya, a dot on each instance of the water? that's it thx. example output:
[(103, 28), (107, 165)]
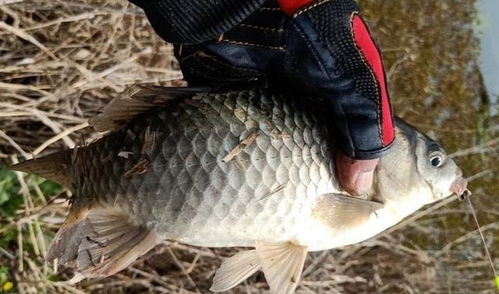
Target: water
[(487, 28)]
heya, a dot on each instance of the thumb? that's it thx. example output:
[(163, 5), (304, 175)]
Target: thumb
[(355, 175)]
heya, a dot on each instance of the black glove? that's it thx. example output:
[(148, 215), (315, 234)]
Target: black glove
[(195, 21), (324, 45), (329, 47)]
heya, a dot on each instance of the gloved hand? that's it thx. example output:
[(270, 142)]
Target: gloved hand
[(329, 48), (323, 46), (348, 68)]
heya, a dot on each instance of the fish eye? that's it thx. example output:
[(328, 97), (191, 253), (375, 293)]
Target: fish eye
[(436, 159)]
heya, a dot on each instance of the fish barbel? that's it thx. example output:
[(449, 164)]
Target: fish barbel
[(245, 168)]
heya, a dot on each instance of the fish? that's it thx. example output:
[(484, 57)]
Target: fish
[(228, 168)]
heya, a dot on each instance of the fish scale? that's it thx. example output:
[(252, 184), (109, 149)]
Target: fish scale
[(189, 194)]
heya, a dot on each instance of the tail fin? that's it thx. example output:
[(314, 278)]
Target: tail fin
[(101, 241), (54, 167)]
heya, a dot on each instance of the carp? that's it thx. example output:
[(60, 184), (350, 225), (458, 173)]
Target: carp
[(247, 168)]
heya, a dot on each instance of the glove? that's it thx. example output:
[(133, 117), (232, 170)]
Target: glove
[(330, 49), (326, 47), (195, 21)]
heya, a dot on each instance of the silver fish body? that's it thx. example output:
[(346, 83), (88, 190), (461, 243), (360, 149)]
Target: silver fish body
[(243, 168)]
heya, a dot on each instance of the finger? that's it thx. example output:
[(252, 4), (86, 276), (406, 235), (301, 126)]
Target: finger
[(354, 175)]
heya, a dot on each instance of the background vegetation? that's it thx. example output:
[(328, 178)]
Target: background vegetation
[(62, 61)]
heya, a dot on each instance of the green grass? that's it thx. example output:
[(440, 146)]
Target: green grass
[(10, 198), (11, 201)]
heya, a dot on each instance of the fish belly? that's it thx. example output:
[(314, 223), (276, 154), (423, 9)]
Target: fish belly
[(219, 169)]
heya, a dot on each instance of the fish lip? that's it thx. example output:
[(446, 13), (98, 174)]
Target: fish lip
[(459, 187)]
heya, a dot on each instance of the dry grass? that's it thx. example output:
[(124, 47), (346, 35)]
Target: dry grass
[(60, 63)]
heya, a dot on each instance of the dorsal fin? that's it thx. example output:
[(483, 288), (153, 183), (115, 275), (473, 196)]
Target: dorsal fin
[(54, 167), (136, 100)]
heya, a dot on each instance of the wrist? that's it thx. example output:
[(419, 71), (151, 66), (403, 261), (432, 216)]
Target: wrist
[(368, 154)]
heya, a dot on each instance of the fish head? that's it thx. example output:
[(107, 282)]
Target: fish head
[(438, 170), (418, 170)]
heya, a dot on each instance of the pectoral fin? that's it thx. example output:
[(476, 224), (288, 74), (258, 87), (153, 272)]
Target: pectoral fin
[(235, 269), (351, 202), (282, 265), (344, 211)]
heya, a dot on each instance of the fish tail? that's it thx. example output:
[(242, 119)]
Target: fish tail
[(54, 167)]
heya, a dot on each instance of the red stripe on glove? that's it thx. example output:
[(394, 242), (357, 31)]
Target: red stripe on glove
[(371, 53), (289, 7)]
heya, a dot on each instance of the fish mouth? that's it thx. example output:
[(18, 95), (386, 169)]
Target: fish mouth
[(460, 188)]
